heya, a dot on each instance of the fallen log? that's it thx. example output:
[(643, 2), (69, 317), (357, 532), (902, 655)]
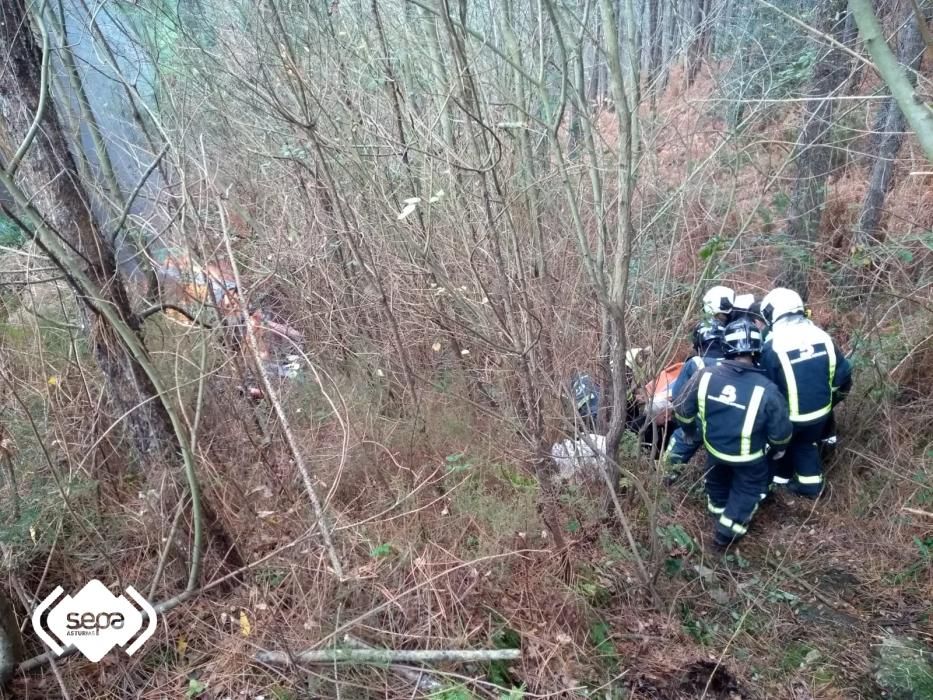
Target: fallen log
[(386, 656)]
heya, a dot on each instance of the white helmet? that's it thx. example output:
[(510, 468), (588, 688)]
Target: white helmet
[(743, 302), (718, 300), (780, 302), (636, 357)]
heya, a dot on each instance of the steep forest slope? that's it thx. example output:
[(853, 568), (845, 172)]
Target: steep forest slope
[(395, 229)]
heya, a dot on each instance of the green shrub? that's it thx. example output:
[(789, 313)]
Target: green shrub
[(904, 669)]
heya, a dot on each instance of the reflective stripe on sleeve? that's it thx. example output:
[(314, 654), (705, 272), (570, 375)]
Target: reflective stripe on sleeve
[(783, 441), (793, 399), (701, 403), (813, 415), (701, 399)]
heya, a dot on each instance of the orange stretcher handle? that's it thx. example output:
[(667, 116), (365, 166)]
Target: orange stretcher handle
[(663, 381)]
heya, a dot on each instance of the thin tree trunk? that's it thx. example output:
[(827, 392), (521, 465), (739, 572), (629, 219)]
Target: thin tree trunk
[(577, 67), (618, 291), (654, 60), (387, 656), (592, 96), (813, 152), (699, 48), (651, 45), (918, 114), (668, 19), (439, 69), (11, 641), (893, 123), (645, 48)]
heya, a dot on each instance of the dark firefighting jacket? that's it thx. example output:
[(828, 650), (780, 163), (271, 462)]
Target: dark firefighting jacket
[(738, 411), (808, 369)]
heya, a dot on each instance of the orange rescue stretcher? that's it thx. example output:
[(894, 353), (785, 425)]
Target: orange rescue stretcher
[(658, 397)]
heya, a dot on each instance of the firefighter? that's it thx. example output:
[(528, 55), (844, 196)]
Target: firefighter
[(586, 400), (741, 306), (813, 375), (707, 343), (589, 399), (754, 313), (740, 415), (717, 304), (746, 306)]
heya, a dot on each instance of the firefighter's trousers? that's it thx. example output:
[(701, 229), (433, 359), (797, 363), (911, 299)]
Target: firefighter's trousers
[(733, 492), (801, 463)]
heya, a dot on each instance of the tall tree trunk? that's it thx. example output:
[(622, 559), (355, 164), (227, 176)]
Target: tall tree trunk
[(813, 152), (699, 47), (644, 20), (654, 59), (48, 174), (626, 110), (651, 44), (668, 34), (916, 110), (892, 122), (430, 28)]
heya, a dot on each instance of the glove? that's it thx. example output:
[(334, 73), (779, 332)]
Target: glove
[(673, 472)]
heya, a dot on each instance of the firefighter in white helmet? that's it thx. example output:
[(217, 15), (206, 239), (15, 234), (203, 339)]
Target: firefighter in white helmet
[(813, 376), (746, 306), (740, 415), (718, 303)]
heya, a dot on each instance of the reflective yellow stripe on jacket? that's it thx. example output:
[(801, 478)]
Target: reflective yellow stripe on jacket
[(750, 415)]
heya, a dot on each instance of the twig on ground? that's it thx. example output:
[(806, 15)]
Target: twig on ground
[(388, 656), (421, 679)]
